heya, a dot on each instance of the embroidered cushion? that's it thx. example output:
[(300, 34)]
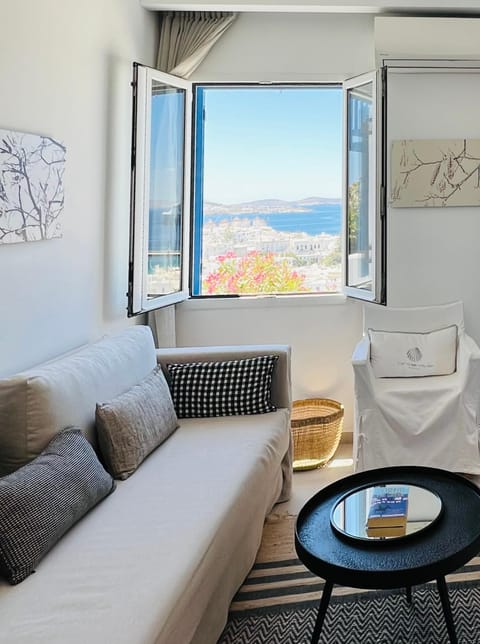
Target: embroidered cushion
[(406, 355), (228, 388)]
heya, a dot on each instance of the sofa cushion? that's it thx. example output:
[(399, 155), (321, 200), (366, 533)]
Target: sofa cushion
[(43, 499), (226, 388), (38, 403), (132, 425)]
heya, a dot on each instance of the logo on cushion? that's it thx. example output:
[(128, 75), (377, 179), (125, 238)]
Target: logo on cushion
[(414, 354)]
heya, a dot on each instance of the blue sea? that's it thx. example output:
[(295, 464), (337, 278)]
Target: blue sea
[(321, 218)]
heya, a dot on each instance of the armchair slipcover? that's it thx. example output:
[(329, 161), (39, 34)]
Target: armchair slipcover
[(430, 420)]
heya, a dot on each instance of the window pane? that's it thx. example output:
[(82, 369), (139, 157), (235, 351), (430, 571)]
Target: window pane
[(360, 186), (268, 190), (166, 190)]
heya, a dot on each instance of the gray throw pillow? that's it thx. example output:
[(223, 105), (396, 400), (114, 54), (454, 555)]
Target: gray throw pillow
[(41, 500), (132, 425)]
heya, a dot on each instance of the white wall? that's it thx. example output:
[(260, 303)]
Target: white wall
[(433, 252), (65, 70), (322, 337), (295, 47)]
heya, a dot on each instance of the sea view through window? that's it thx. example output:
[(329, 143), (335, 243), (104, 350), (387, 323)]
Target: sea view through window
[(268, 185), (272, 246)]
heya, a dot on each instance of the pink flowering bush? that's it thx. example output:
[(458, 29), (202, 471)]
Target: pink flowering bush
[(251, 274)]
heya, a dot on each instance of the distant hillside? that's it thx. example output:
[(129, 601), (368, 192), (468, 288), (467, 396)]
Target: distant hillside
[(266, 206)]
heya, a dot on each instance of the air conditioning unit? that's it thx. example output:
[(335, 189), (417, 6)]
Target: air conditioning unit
[(426, 38)]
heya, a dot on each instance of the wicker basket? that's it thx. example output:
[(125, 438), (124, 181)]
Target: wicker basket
[(316, 428)]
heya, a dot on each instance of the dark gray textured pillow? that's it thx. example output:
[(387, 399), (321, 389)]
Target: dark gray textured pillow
[(224, 388), (132, 425), (43, 499)]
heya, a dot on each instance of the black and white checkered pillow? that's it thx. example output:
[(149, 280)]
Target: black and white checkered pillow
[(43, 499), (229, 388)]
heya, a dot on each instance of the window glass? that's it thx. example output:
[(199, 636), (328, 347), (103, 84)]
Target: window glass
[(159, 202), (360, 187), (268, 213), (166, 190)]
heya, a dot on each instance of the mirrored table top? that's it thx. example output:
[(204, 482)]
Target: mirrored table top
[(385, 511)]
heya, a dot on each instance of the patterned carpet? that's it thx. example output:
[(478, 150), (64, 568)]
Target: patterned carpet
[(278, 604)]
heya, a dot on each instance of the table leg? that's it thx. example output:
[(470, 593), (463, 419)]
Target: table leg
[(447, 611), (409, 594), (322, 609)]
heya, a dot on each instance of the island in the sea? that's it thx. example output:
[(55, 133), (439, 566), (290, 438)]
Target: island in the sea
[(265, 206)]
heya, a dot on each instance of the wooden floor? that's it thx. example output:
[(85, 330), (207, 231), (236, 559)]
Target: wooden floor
[(306, 483)]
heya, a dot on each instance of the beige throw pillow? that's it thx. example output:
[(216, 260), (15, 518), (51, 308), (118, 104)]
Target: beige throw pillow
[(133, 424)]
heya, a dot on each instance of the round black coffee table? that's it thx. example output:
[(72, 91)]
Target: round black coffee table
[(451, 540)]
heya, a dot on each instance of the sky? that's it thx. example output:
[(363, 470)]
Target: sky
[(272, 143)]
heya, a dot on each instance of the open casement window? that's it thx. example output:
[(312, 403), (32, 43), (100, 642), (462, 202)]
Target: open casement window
[(364, 188), (160, 189), (163, 243)]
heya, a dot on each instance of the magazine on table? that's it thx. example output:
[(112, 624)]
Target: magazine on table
[(388, 506)]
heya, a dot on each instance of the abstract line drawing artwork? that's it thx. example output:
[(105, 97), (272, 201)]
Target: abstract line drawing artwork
[(31, 187), (435, 173)]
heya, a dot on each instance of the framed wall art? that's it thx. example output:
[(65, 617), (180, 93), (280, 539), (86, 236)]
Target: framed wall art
[(435, 173), (32, 168)]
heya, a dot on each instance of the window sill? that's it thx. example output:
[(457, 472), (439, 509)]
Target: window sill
[(262, 301)]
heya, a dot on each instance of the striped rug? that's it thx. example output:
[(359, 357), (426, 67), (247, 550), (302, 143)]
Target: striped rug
[(278, 602)]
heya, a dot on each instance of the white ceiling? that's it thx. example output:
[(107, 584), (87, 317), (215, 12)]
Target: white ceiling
[(399, 7)]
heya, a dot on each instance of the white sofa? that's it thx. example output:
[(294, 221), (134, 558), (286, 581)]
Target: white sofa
[(159, 559)]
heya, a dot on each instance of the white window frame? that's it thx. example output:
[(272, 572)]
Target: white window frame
[(138, 302), (377, 221)]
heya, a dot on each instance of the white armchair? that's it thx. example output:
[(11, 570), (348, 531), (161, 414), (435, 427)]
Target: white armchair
[(430, 420)]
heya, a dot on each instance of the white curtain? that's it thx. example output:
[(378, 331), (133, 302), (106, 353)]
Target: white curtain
[(162, 323), (186, 37)]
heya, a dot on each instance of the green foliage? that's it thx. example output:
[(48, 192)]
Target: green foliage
[(353, 215), (334, 258)]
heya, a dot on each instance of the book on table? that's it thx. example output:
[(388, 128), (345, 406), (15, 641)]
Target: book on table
[(388, 507), (387, 531)]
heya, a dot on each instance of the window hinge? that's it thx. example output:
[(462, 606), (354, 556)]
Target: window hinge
[(383, 201)]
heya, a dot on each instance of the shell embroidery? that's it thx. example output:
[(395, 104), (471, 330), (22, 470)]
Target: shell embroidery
[(414, 354)]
